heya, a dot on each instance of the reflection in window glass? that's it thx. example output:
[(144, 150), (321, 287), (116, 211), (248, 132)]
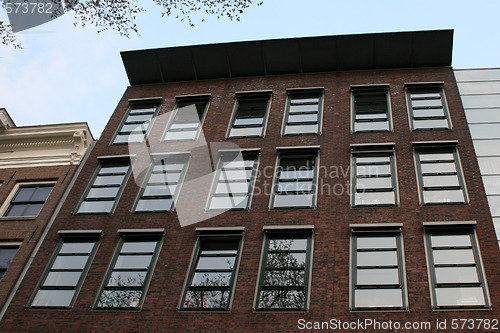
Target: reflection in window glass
[(428, 108), (65, 274), (250, 116), (371, 111), (455, 271), (378, 273), (126, 281), (211, 278), (233, 181), (440, 179), (28, 200), (103, 192), (285, 272), (295, 184), (303, 113), (187, 119), (374, 182)]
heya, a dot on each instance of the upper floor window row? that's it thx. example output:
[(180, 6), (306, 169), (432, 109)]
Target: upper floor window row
[(303, 113)]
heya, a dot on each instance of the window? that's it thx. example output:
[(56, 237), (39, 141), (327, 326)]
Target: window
[(295, 183), (371, 110), (440, 176), (28, 200), (212, 275), (7, 253), (130, 271), (137, 121), (374, 179), (455, 271), (187, 118), (250, 115), (103, 192), (428, 108), (66, 271), (377, 270), (303, 112), (234, 181), (162, 184), (285, 271)]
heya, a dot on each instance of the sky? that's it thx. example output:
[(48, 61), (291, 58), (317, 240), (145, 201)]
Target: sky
[(71, 74)]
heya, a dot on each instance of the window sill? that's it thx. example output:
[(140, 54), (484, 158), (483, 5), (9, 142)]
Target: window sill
[(17, 218)]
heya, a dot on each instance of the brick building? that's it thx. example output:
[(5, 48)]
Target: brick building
[(36, 165), (298, 183)]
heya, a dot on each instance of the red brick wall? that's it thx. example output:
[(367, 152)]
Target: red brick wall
[(330, 274)]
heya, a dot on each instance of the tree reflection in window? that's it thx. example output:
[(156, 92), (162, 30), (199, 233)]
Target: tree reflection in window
[(212, 278), (285, 273), (127, 280)]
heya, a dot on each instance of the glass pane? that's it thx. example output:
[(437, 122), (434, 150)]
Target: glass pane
[(133, 261), (109, 180), (33, 209), (438, 167), (489, 165), (377, 276), (460, 296), (154, 205), (72, 247), (304, 186), (297, 200), (485, 131), (284, 278), (302, 129), (298, 118), (373, 183), (450, 240), (487, 147), (16, 210), (6, 256), (428, 113), (246, 131), (126, 138), (168, 166), (366, 298), (287, 244), (453, 257), (190, 125), (426, 102), (42, 193), (134, 128), (235, 188), (119, 299), (373, 170), (159, 190), (70, 262), (441, 181), (137, 118), (211, 279), (447, 196), (286, 260), (434, 123), (366, 159), (379, 258), (376, 242), (220, 247), (296, 174), (143, 109), (249, 122), (53, 298), (215, 263), (304, 100), (372, 126), (303, 108), (164, 178), (111, 169), (456, 275), (375, 198), (482, 115), (207, 299), (24, 194), (138, 247), (96, 207), (103, 192), (62, 279), (127, 279), (481, 101), (436, 157), (181, 135), (282, 299), (235, 174), (239, 202)]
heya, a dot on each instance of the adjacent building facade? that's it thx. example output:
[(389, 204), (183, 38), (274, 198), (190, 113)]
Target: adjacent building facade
[(36, 165), (297, 184)]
